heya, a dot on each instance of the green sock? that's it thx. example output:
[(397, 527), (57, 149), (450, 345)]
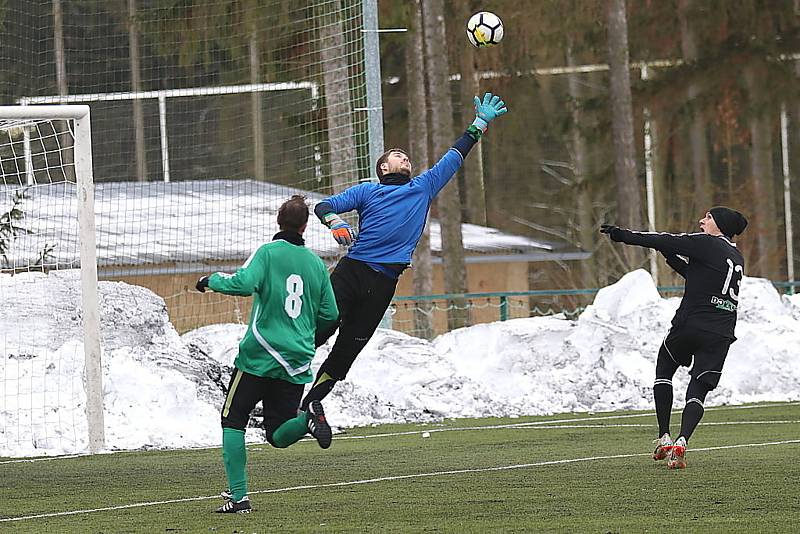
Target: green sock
[(291, 431), (234, 455)]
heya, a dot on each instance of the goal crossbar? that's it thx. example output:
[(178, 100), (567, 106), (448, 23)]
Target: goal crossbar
[(63, 112), (162, 95)]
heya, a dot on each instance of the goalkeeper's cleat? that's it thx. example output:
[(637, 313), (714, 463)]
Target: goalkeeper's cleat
[(226, 494), (677, 454), (317, 424), (663, 446), (236, 507)]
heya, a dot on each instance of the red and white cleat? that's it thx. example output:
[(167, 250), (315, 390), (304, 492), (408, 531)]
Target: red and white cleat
[(677, 455), (663, 446)]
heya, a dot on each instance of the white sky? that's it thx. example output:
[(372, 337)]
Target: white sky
[(160, 392)]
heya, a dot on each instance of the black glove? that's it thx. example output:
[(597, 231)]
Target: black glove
[(611, 230), (202, 284)]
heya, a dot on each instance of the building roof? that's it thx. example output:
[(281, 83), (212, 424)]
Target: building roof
[(211, 221)]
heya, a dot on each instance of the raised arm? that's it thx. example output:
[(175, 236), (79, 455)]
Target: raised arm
[(435, 178)]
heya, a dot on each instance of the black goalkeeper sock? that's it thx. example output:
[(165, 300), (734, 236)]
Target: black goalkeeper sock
[(692, 413), (322, 386), (662, 394)]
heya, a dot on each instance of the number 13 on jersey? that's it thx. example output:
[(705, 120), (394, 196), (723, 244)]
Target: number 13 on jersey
[(727, 290)]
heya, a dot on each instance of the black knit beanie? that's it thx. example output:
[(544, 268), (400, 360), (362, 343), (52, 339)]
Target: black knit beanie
[(729, 221)]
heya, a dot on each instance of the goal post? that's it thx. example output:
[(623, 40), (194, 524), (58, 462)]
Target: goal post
[(63, 157)]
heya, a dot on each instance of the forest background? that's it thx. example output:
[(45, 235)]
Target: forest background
[(569, 155)]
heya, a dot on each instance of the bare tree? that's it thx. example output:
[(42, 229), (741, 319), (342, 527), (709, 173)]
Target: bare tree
[(257, 120), (333, 54), (441, 114), (761, 173), (475, 194), (701, 168), (629, 204), (65, 139), (136, 86), (418, 147), (587, 233)]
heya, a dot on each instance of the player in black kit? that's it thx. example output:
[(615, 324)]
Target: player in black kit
[(704, 323)]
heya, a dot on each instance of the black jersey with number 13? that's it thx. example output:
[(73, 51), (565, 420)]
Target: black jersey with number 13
[(713, 268)]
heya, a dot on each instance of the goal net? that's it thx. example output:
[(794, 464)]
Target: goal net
[(50, 380), (206, 117)]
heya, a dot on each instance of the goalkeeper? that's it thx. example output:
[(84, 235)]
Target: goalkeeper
[(392, 216), (292, 300)]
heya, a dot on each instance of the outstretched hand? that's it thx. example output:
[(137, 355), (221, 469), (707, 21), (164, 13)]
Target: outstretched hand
[(487, 110), (612, 231)]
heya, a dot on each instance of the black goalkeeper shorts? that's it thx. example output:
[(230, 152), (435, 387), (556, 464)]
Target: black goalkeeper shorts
[(280, 400), (684, 344)]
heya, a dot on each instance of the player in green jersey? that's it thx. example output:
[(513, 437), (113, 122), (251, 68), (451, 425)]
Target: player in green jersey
[(292, 299)]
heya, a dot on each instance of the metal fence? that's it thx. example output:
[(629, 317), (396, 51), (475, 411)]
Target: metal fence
[(405, 312)]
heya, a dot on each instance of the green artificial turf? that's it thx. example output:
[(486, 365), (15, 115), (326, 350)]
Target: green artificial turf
[(590, 473)]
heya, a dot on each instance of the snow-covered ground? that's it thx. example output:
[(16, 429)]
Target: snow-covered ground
[(165, 390)]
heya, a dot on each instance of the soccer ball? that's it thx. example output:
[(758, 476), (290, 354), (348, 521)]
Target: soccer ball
[(484, 29)]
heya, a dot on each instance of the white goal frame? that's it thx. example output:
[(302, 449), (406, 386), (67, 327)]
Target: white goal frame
[(82, 146)]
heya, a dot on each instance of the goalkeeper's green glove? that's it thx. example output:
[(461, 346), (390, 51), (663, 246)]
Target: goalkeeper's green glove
[(488, 110), (342, 232)]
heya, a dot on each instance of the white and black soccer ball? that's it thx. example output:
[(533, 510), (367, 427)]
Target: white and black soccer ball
[(484, 29)]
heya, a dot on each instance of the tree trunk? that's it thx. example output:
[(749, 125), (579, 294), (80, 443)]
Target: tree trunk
[(761, 175), (418, 147), (475, 197), (629, 205), (587, 233), (257, 118), (65, 138), (58, 46), (136, 86), (441, 116), (339, 108), (701, 168)]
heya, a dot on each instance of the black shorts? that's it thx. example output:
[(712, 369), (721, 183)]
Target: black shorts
[(362, 296), (684, 344), (280, 400)]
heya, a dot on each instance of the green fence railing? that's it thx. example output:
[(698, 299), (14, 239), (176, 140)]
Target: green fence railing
[(406, 311)]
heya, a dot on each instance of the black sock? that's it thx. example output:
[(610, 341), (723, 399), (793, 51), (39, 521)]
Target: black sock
[(692, 414), (322, 386), (693, 411), (662, 394)]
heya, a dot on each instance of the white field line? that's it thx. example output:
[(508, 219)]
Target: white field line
[(390, 479), (543, 423), (544, 426)]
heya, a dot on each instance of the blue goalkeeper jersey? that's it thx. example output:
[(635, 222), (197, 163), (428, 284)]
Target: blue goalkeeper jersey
[(392, 217)]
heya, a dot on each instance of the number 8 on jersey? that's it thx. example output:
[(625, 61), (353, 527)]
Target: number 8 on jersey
[(294, 302)]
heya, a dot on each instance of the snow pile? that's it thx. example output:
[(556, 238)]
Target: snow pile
[(156, 393), (164, 390)]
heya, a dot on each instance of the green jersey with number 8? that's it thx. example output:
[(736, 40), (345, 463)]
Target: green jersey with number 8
[(292, 298)]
